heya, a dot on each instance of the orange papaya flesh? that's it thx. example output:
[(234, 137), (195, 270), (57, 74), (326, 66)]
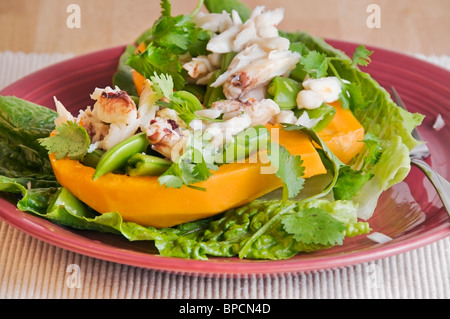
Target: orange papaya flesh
[(143, 200), (344, 134), (138, 80)]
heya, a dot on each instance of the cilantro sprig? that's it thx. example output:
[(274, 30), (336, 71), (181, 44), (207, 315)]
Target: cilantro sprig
[(70, 141), (314, 226), (169, 38), (290, 170)]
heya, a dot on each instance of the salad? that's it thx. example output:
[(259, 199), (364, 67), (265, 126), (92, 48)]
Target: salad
[(219, 135)]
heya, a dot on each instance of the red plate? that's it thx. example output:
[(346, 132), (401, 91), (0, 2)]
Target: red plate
[(410, 212)]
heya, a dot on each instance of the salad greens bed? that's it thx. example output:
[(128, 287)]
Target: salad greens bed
[(267, 228)]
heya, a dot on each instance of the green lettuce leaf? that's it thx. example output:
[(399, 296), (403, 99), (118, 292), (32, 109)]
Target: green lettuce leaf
[(381, 117)]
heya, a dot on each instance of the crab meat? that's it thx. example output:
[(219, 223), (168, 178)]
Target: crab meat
[(113, 119), (259, 73), (114, 106), (307, 99), (259, 112), (166, 137), (235, 36), (285, 116), (221, 132), (201, 67), (242, 59), (266, 21), (63, 114), (147, 103), (214, 22), (96, 129), (328, 87)]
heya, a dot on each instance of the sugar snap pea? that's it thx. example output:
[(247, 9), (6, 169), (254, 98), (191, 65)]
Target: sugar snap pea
[(325, 113), (142, 164), (245, 143), (91, 159), (284, 92), (117, 156), (213, 94)]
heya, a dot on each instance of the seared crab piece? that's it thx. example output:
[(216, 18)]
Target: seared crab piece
[(114, 106)]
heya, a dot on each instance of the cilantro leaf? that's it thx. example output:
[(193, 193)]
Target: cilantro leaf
[(315, 64), (158, 60), (186, 104), (162, 85), (314, 226), (190, 167), (179, 33), (70, 140), (361, 56), (170, 37), (289, 170)]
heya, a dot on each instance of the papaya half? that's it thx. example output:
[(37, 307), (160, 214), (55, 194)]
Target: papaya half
[(143, 200)]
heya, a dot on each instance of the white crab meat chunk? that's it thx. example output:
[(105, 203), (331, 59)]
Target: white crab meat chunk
[(114, 106), (147, 102), (318, 91), (259, 112), (214, 22), (96, 129), (307, 99), (63, 114), (259, 73), (238, 35), (201, 67), (241, 60), (284, 117), (221, 132), (266, 21)]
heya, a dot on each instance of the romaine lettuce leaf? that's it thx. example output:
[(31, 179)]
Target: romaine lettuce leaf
[(380, 117), (22, 123)]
